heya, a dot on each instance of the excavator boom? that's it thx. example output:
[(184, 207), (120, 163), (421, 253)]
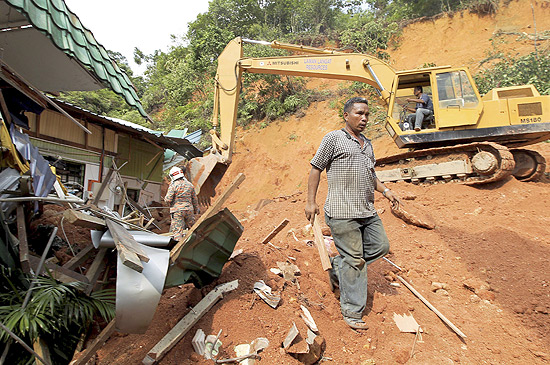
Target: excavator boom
[(206, 172)]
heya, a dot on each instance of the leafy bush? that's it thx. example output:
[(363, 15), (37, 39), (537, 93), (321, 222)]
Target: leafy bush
[(365, 33), (512, 71), (56, 312)]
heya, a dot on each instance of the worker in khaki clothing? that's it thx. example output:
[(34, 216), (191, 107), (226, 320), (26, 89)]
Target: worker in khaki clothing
[(359, 236), (183, 203)]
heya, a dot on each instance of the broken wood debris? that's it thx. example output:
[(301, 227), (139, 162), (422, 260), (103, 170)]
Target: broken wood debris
[(320, 243), (82, 219), (429, 305), (129, 251), (84, 356), (406, 323), (181, 328), (277, 229)]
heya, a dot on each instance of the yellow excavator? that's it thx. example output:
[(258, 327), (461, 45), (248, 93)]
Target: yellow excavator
[(471, 139)]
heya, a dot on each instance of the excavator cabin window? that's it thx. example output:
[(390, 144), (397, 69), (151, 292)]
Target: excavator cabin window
[(455, 90)]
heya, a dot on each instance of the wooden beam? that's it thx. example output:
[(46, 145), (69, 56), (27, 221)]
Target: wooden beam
[(22, 85), (58, 272), (82, 219), (83, 357), (277, 229), (5, 110), (213, 209), (153, 143), (123, 199), (123, 238), (183, 326), (149, 223), (154, 157), (104, 184), (79, 258), (22, 237), (95, 269), (41, 349), (429, 305), (129, 258), (320, 243)]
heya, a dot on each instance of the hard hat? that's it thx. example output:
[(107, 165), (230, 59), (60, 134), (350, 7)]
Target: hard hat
[(175, 173)]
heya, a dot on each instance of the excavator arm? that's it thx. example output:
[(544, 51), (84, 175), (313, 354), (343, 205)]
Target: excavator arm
[(206, 172)]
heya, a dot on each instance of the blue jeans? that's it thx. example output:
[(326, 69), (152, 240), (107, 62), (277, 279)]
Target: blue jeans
[(359, 241)]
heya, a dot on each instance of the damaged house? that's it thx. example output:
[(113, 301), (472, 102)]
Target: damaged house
[(86, 168)]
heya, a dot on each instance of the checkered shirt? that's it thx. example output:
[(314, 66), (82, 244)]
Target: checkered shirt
[(350, 175), (181, 196)]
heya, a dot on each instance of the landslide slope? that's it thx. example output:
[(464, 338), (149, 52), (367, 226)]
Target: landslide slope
[(495, 236)]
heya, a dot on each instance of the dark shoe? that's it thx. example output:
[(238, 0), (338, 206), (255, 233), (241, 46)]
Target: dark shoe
[(356, 323), (416, 129)]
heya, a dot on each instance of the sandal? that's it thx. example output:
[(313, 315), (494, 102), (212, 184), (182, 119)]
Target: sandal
[(356, 323)]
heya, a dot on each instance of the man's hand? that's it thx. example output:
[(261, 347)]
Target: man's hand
[(311, 210), (394, 200)]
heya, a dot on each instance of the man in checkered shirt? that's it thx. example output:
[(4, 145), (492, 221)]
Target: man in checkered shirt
[(358, 234)]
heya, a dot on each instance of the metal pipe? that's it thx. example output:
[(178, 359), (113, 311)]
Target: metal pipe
[(22, 343), (42, 198), (39, 268)]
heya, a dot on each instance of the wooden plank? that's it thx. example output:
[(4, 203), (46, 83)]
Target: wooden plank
[(79, 258), (429, 305), (129, 258), (41, 349), (83, 357), (22, 237), (213, 209), (122, 237), (123, 199), (104, 184), (82, 219), (277, 229), (95, 269), (320, 243), (183, 326), (149, 223), (58, 272)]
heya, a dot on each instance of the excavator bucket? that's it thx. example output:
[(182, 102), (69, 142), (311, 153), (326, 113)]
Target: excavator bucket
[(205, 173)]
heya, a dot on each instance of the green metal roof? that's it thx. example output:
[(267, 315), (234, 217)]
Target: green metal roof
[(53, 19)]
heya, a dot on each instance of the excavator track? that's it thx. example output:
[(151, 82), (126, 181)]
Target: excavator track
[(530, 165), (471, 164)]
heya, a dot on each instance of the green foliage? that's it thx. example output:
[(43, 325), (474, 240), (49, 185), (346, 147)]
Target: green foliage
[(481, 7), (55, 310), (366, 33), (513, 71)]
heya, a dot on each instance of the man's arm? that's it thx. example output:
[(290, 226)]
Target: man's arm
[(381, 188), (169, 194), (312, 185)]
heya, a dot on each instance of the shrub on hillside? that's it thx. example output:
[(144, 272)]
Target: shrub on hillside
[(511, 71)]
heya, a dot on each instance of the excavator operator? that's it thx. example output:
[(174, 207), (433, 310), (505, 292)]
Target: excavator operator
[(424, 108)]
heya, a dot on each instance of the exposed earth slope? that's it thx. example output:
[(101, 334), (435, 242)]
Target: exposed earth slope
[(490, 247)]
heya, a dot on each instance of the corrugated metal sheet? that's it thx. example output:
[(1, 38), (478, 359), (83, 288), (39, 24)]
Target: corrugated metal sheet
[(64, 29)]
